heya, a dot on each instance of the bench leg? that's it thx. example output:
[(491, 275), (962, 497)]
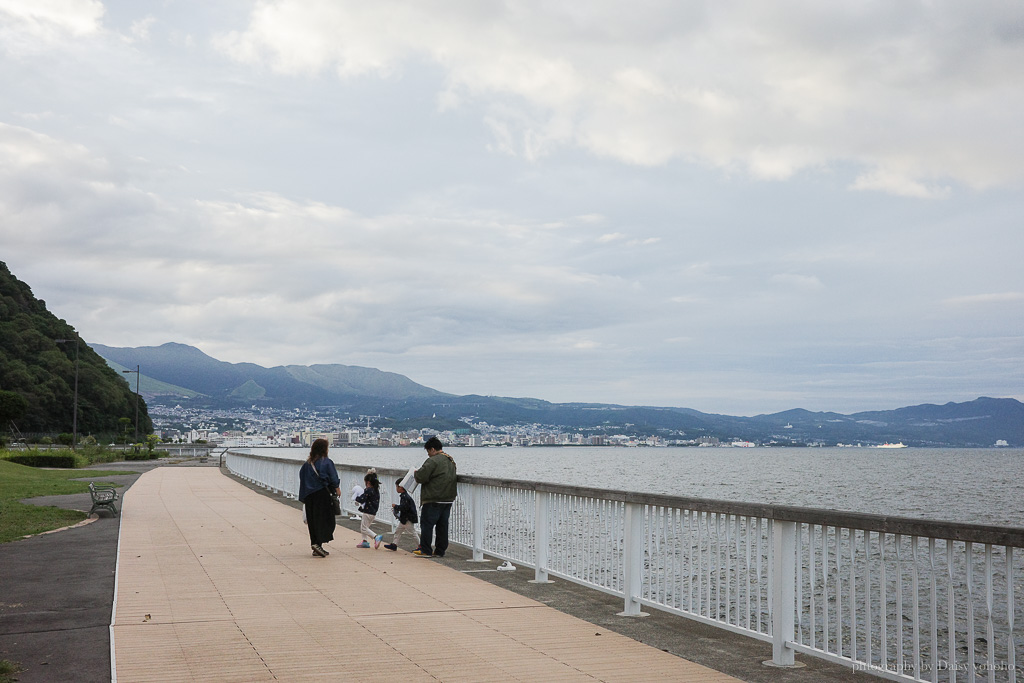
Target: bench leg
[(101, 506)]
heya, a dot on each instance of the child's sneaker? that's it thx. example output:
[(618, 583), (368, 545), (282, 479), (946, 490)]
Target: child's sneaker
[(376, 540), (391, 546), (364, 544)]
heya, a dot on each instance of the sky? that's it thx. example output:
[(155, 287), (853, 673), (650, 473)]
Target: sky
[(731, 206)]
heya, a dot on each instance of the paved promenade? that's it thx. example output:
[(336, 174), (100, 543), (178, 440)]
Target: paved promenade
[(217, 582)]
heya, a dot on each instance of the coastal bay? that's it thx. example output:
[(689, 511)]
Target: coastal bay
[(975, 486)]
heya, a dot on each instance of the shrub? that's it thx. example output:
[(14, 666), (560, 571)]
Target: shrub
[(57, 459), (8, 670), (97, 453)]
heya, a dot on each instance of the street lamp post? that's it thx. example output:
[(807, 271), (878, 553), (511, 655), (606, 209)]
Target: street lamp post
[(74, 417), (136, 371)]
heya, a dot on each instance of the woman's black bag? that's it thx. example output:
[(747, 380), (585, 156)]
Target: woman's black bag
[(335, 500)]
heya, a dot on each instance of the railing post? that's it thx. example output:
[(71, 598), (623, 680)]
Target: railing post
[(783, 593), (633, 560), (477, 520), (540, 537)]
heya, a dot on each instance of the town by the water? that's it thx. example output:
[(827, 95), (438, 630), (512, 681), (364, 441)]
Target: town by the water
[(298, 427), (281, 428)]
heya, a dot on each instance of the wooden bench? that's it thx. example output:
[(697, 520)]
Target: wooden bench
[(103, 496)]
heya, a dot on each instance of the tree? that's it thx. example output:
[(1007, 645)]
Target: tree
[(125, 423), (12, 406), (34, 364)]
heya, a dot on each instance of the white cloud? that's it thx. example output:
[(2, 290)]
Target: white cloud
[(140, 28), (898, 184), (77, 17), (732, 85), (306, 37), (27, 26), (239, 269), (798, 281), (984, 299)]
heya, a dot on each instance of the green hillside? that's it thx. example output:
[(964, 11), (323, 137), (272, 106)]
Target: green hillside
[(37, 374), (150, 387)]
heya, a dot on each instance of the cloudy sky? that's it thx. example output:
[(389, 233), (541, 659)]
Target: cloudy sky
[(734, 206)]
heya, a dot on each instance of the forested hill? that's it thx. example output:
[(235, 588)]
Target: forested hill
[(37, 374)]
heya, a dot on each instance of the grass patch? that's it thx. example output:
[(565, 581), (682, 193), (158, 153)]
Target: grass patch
[(18, 482), (8, 670)]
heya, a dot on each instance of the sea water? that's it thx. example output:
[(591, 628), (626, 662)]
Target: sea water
[(976, 486)]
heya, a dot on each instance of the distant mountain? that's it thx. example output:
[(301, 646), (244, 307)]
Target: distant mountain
[(186, 371), (976, 423), (153, 387), (41, 372), (172, 370)]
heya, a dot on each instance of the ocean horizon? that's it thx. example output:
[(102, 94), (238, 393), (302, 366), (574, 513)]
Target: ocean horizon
[(974, 486)]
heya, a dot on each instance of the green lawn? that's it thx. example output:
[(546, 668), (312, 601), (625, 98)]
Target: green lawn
[(18, 482)]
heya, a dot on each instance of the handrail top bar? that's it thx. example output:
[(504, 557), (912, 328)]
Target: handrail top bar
[(909, 526)]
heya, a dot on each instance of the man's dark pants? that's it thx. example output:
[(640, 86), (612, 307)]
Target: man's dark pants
[(434, 515)]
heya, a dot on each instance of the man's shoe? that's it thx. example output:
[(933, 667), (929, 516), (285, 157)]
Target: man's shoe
[(391, 546), (318, 551), (364, 544), (376, 540), (419, 553)]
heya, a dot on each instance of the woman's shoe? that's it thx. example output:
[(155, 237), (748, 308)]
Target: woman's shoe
[(364, 544), (318, 551)]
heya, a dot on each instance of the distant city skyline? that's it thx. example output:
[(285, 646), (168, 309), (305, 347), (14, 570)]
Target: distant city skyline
[(729, 207)]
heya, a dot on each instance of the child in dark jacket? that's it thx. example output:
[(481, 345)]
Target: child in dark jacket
[(369, 501), (405, 511)]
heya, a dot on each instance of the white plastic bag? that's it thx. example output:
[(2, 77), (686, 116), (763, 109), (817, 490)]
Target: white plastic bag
[(409, 482)]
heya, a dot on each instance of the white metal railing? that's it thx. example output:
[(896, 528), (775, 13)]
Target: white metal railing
[(904, 599)]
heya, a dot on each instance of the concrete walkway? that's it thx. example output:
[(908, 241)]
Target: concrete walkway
[(217, 582)]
